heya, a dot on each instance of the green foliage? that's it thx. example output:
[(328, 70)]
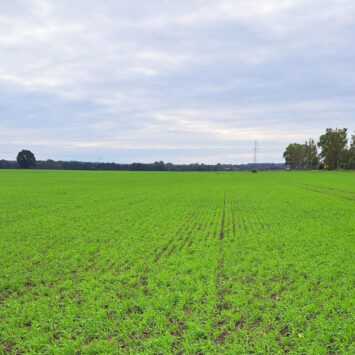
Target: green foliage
[(333, 146), (159, 263), (310, 157), (334, 152), (26, 159), (294, 155), (348, 157)]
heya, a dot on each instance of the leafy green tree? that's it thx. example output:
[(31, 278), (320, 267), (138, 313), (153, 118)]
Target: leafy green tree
[(333, 146), (352, 153), (26, 159), (294, 155), (310, 154), (348, 161)]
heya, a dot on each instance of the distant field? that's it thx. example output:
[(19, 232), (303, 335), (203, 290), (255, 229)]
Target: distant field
[(107, 262)]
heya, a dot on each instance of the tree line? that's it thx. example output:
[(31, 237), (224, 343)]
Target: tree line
[(334, 152), (27, 160)]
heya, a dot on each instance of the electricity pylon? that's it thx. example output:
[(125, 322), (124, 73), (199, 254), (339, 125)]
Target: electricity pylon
[(255, 151)]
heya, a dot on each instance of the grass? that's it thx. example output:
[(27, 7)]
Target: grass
[(135, 262)]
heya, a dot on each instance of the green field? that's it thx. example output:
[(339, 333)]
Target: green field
[(154, 262)]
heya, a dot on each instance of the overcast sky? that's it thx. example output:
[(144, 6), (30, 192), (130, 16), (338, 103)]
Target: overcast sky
[(180, 81)]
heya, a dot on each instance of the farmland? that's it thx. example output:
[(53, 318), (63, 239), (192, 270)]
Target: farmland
[(107, 262)]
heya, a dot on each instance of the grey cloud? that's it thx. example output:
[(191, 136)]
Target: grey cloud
[(173, 80)]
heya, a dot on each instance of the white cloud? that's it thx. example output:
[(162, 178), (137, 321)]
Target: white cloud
[(169, 75)]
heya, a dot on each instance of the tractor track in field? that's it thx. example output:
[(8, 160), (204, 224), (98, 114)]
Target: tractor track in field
[(221, 234), (220, 263), (326, 193), (219, 230), (331, 189), (221, 279)]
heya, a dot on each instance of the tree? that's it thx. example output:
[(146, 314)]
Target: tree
[(348, 158), (310, 154), (333, 145), (351, 161), (26, 159), (294, 154)]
